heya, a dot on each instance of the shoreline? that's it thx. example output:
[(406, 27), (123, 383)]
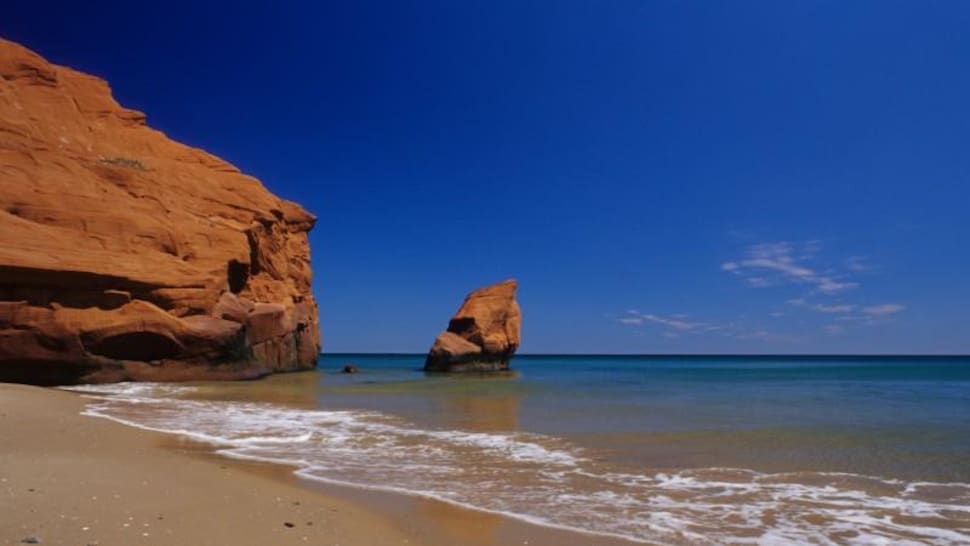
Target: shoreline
[(70, 478), (66, 478)]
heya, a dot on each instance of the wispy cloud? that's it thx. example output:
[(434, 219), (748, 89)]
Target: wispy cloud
[(873, 314), (850, 313), (771, 264), (884, 310), (820, 282), (822, 308), (858, 264), (679, 324)]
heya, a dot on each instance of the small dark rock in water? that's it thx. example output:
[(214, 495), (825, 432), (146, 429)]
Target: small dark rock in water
[(349, 368), (287, 524), (31, 540)]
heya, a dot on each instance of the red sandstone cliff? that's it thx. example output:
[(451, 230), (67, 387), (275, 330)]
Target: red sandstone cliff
[(127, 256)]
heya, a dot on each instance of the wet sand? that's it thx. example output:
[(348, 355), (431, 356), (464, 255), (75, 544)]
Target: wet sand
[(71, 479)]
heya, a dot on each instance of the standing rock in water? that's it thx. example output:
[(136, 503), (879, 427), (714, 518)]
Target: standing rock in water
[(483, 335), (125, 255)]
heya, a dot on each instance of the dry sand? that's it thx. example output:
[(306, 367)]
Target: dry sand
[(70, 479)]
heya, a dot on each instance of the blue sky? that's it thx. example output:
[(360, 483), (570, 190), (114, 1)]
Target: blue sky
[(763, 177)]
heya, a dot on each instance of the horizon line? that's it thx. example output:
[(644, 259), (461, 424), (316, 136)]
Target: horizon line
[(687, 355)]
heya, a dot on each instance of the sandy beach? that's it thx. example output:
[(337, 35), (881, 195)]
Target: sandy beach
[(70, 479)]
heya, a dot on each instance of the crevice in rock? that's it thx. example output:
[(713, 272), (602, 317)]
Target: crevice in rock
[(253, 238), (237, 274), (143, 346)]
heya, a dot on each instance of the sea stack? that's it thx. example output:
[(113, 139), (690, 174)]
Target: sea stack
[(125, 255), (483, 335)]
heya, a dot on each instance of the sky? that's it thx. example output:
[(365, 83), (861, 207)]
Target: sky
[(661, 177)]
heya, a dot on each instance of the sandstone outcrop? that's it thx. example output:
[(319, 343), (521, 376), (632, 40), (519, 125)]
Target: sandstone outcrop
[(125, 255), (483, 335)]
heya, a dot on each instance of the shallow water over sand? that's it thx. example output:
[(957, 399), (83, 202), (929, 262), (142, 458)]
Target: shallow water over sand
[(693, 451)]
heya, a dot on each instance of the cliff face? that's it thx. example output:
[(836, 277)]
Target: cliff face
[(483, 335), (127, 256)]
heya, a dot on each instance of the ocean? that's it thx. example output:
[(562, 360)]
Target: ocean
[(653, 449)]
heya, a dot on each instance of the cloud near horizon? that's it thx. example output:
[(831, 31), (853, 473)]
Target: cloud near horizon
[(862, 313), (783, 264), (822, 308), (787, 263), (678, 324), (884, 310), (773, 264)]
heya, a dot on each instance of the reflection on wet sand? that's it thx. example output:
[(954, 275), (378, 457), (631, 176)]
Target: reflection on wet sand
[(460, 526)]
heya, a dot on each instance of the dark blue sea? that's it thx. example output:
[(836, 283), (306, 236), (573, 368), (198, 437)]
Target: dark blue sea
[(655, 449)]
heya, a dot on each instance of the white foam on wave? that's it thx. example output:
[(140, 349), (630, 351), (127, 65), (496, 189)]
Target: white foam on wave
[(308, 473), (544, 480), (133, 391)]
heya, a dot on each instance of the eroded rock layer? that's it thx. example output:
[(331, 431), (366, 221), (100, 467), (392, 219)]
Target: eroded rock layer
[(125, 255), (483, 335)]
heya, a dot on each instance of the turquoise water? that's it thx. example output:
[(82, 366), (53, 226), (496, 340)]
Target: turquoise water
[(905, 417), (658, 450)]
